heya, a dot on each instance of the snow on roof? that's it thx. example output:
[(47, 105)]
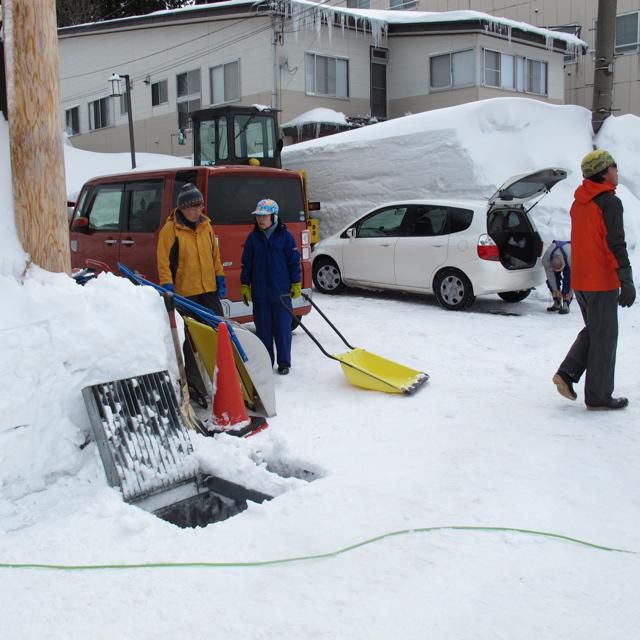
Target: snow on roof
[(320, 115), (307, 14)]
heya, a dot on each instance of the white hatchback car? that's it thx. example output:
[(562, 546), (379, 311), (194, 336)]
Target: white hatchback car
[(456, 249)]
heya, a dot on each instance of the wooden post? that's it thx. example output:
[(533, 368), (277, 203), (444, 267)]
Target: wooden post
[(35, 131)]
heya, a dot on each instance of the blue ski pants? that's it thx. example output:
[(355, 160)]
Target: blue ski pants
[(273, 324)]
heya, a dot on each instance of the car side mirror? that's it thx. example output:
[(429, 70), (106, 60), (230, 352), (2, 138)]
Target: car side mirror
[(80, 224), (351, 233)]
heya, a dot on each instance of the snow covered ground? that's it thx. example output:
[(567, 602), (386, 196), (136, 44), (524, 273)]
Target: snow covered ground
[(487, 443)]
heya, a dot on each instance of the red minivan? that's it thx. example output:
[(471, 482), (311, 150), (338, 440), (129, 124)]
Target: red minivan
[(117, 218)]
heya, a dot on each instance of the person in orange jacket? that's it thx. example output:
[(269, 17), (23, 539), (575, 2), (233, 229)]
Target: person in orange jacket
[(188, 255), (602, 279)]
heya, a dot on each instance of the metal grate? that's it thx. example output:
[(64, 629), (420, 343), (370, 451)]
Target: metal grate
[(144, 446)]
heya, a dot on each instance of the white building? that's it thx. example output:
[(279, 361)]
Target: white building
[(572, 16), (296, 56)]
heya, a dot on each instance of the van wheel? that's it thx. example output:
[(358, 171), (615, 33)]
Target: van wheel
[(453, 290), (326, 276), (515, 296)]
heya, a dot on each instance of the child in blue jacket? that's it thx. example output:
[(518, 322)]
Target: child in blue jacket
[(271, 268)]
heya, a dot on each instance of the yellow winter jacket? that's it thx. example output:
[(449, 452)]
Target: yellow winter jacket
[(195, 256)]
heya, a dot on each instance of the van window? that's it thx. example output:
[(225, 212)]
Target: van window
[(231, 199), (426, 221), (145, 205), (104, 208)]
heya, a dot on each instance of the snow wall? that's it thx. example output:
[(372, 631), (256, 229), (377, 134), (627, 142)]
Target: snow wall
[(466, 151)]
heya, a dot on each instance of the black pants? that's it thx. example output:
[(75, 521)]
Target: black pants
[(594, 349), (211, 300)]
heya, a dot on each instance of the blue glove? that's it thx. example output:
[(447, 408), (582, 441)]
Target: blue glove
[(169, 287), (222, 286)]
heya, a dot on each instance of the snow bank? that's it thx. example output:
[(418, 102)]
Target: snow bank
[(82, 165), (13, 258), (58, 337), (466, 151)]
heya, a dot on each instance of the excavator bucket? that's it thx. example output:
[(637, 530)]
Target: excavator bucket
[(256, 374), (370, 371)]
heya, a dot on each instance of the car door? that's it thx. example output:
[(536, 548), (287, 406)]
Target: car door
[(368, 254), (143, 206), (100, 239), (423, 246)]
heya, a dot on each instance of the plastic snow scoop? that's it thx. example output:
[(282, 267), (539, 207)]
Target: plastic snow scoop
[(256, 373), (191, 421), (368, 370), (205, 314)]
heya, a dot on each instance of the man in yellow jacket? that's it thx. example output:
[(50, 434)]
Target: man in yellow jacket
[(188, 256)]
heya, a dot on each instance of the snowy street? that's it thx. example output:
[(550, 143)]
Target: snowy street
[(487, 442)]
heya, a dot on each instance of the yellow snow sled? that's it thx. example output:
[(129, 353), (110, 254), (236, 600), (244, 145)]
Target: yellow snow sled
[(368, 370)]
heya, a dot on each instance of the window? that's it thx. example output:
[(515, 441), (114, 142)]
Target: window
[(145, 205), (188, 92), (459, 219), (159, 93), (382, 224), (573, 29), (505, 71), (225, 82), (378, 103), (452, 70), (72, 121), (100, 114), (104, 211), (402, 4), (427, 221), (358, 4), (326, 76), (254, 136), (233, 198), (627, 38), (213, 141)]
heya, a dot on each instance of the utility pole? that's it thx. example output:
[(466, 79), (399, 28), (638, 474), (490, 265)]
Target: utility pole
[(604, 63), (35, 131)]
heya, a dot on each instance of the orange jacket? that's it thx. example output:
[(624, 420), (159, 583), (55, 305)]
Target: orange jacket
[(594, 266), (197, 260)]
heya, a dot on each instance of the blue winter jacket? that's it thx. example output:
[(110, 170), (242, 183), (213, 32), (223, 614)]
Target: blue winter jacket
[(270, 265)]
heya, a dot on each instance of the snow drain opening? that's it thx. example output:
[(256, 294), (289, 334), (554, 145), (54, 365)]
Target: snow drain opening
[(147, 453)]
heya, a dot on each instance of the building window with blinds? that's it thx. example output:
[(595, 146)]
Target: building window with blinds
[(326, 76)]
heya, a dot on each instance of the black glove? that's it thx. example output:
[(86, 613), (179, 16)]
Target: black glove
[(627, 288)]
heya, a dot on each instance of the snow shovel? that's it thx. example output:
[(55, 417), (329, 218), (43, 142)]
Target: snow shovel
[(367, 370), (191, 421)]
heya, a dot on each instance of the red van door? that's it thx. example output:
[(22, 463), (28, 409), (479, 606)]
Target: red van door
[(145, 210), (100, 239)]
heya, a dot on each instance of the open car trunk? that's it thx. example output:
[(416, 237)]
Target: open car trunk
[(518, 242)]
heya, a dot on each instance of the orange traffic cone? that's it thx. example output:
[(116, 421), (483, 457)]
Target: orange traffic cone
[(229, 409)]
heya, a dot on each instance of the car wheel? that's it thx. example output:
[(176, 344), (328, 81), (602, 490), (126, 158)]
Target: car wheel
[(515, 296), (326, 276), (453, 290)]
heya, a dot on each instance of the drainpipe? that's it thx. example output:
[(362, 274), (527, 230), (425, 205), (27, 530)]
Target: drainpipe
[(274, 61)]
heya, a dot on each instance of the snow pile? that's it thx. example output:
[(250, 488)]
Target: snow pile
[(466, 151), (82, 165), (319, 115)]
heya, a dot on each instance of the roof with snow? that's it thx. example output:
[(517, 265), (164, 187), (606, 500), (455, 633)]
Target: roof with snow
[(308, 15)]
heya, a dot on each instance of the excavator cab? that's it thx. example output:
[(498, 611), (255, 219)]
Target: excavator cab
[(236, 135)]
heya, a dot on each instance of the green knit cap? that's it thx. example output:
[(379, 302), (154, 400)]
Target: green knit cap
[(595, 162)]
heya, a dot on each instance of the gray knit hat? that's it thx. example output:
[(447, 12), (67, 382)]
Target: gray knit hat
[(189, 196)]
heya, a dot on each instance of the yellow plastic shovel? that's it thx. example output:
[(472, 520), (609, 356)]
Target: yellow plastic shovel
[(368, 370)]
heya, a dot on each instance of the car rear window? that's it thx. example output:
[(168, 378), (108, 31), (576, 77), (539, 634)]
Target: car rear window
[(232, 199), (459, 219)]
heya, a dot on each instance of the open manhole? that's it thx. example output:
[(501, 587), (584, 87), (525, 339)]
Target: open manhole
[(147, 453)]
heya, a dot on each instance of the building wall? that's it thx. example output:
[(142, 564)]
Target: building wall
[(408, 71), (549, 13)]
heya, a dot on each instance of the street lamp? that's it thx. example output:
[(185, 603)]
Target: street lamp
[(116, 91)]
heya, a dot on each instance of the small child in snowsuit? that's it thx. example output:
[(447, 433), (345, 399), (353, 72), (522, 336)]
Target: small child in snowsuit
[(270, 269), (557, 265)]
